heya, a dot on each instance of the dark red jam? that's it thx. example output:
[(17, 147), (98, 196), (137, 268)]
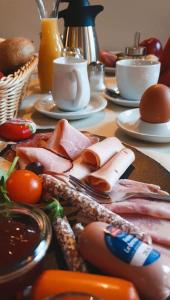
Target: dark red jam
[(19, 236)]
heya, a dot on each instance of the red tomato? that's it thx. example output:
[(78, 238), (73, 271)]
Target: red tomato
[(24, 186)]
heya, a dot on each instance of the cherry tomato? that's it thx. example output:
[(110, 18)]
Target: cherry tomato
[(24, 186)]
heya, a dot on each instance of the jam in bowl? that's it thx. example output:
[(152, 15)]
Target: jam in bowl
[(25, 235)]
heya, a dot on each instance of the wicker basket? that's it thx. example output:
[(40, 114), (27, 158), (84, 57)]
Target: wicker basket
[(13, 89)]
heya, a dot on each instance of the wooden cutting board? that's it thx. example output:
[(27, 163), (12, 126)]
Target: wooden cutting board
[(144, 169)]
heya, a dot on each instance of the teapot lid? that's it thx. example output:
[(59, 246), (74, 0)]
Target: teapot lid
[(80, 13)]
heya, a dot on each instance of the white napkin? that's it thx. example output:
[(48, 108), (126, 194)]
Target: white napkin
[(162, 158)]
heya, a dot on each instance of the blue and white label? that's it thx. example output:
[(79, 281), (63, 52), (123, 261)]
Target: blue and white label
[(129, 248)]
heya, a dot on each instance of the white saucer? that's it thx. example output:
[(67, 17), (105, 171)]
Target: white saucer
[(130, 122), (121, 101), (46, 106)]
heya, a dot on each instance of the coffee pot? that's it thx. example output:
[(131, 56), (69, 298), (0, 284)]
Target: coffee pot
[(79, 31)]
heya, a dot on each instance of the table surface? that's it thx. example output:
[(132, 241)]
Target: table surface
[(101, 123)]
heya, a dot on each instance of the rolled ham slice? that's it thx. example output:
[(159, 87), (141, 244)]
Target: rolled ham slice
[(50, 161), (81, 169), (67, 140), (99, 153), (104, 178)]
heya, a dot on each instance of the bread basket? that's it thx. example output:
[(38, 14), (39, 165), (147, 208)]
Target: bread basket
[(13, 89)]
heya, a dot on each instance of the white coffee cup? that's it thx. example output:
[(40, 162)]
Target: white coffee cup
[(134, 76), (70, 89)]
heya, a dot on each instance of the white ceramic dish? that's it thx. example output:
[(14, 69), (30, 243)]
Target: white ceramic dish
[(121, 101), (47, 107), (130, 122)]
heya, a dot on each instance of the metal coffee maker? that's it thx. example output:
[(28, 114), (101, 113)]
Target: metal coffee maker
[(79, 32)]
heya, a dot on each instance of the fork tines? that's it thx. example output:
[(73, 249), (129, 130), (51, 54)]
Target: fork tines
[(99, 196)]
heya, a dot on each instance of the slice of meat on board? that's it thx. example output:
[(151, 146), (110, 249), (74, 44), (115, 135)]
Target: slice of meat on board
[(38, 140), (141, 206), (158, 229), (51, 161), (99, 153), (68, 141), (106, 177), (80, 169), (137, 186)]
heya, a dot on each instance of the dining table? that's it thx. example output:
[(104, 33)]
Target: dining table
[(102, 123)]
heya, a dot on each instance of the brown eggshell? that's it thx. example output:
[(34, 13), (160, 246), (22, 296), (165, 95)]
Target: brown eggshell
[(155, 104)]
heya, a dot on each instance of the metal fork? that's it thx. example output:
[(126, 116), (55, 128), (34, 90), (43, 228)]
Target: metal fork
[(88, 189), (105, 198)]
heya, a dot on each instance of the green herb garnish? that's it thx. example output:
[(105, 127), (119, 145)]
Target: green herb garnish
[(5, 200), (54, 209)]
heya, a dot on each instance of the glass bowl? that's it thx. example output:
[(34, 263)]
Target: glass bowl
[(25, 236)]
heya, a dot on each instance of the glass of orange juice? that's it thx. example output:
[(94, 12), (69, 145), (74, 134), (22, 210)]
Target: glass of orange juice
[(50, 42)]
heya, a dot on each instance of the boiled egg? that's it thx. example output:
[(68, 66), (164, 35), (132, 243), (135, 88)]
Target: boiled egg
[(155, 104)]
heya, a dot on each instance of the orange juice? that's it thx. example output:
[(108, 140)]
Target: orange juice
[(50, 48)]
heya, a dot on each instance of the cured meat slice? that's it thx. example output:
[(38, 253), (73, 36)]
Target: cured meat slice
[(68, 141), (51, 161), (136, 186), (38, 140), (157, 228), (105, 178), (80, 169), (99, 153), (143, 207)]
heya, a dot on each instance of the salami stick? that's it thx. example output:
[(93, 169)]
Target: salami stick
[(66, 239), (90, 207)]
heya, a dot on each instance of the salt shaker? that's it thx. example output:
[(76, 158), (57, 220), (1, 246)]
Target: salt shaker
[(96, 77)]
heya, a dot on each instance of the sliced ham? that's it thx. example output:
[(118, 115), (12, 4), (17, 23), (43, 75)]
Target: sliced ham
[(145, 207), (68, 141), (137, 186), (99, 153), (80, 169), (157, 228), (50, 161), (38, 140), (106, 177)]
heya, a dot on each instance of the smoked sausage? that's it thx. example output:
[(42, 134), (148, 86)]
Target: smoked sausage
[(120, 254)]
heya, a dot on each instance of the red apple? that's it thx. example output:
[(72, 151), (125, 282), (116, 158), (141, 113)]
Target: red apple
[(165, 57), (108, 58), (153, 46), (164, 77), (1, 75)]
